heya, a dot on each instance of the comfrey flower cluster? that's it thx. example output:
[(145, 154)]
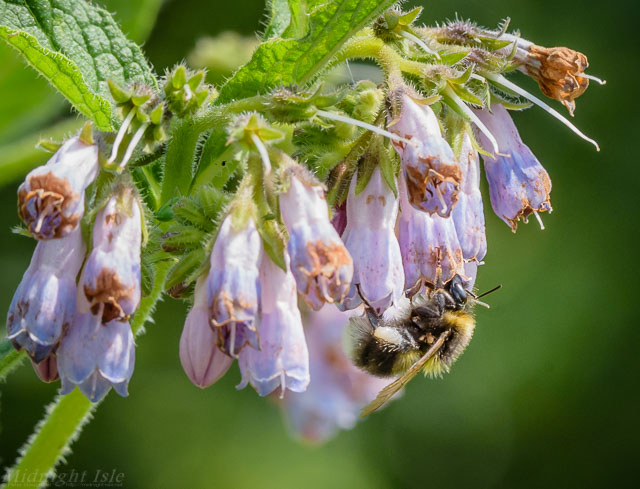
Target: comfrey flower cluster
[(304, 207), (72, 320)]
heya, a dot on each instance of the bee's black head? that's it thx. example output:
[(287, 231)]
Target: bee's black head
[(456, 290)]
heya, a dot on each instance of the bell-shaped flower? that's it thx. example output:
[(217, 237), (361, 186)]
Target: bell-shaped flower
[(429, 165), (96, 356), (233, 283), (320, 263), (283, 360), (338, 390), (430, 248), (111, 276), (371, 240), (45, 302), (518, 184), (202, 360), (51, 199), (468, 215)]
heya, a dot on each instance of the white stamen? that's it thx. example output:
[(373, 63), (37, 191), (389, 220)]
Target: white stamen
[(364, 125), (469, 113), (539, 220), (283, 384), (594, 78), (419, 42), (478, 77), (520, 91), (264, 154), (40, 221), (120, 136), (134, 142)]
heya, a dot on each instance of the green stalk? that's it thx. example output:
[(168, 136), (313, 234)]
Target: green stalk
[(10, 359), (66, 415)]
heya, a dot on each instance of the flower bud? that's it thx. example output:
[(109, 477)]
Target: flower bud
[(518, 184), (431, 251), (429, 166), (282, 361), (111, 276), (45, 301), (233, 284), (47, 369), (320, 263), (51, 199), (468, 215), (202, 360), (96, 356), (338, 389), (370, 238)]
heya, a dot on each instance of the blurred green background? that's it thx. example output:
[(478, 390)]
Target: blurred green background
[(546, 395)]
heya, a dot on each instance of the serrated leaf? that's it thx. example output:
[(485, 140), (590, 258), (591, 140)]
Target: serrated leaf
[(77, 47), (279, 62)]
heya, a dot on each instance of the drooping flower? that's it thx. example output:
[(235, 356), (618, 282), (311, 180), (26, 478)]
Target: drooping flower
[(202, 360), (518, 184), (233, 284), (370, 237), (338, 389), (111, 276), (283, 360), (468, 214), (51, 199), (320, 262), (45, 301), (96, 356), (430, 248), (559, 71), (429, 165)]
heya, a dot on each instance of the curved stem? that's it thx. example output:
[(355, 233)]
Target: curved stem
[(66, 416)]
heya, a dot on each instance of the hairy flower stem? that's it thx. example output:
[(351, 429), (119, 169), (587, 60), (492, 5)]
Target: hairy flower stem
[(371, 47), (66, 415)]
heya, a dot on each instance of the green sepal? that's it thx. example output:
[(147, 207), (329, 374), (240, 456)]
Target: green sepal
[(181, 236), (187, 211), (451, 59), (272, 239), (119, 94), (185, 267), (466, 95)]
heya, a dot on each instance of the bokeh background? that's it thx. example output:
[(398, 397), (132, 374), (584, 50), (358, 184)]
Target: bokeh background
[(546, 395)]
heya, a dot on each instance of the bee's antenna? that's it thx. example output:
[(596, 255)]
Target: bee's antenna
[(497, 287)]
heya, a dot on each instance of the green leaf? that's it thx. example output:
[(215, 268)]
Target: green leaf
[(77, 47), (279, 62)]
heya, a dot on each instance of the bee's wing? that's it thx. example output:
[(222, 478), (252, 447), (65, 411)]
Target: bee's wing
[(389, 391)]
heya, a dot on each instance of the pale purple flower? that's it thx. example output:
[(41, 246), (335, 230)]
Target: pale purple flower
[(202, 360), (429, 166), (44, 303), (518, 184), (431, 251), (338, 390), (283, 360), (468, 215), (96, 356), (320, 262), (370, 237), (233, 284), (51, 199), (111, 276)]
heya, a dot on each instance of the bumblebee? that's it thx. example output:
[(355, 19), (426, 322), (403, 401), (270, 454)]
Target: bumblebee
[(429, 332)]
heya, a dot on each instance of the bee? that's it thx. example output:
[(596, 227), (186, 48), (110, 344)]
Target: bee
[(427, 333)]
